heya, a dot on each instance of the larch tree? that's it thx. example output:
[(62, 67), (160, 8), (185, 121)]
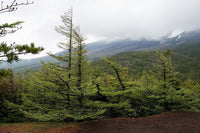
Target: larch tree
[(79, 62), (173, 96), (61, 91), (82, 86), (66, 30), (112, 91)]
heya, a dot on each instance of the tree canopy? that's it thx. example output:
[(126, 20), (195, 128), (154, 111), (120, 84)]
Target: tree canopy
[(74, 89)]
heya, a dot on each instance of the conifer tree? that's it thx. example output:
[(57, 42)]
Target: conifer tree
[(173, 95), (80, 63), (146, 97), (113, 92), (83, 88), (9, 111), (58, 96), (66, 58), (45, 90)]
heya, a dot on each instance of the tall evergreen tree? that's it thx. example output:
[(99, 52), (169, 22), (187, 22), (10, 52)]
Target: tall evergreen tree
[(62, 91), (67, 31), (80, 63), (173, 95)]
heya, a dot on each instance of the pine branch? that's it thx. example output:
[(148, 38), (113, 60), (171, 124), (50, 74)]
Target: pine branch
[(11, 52), (9, 28)]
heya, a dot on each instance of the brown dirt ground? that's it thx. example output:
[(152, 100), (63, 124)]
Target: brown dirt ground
[(170, 122)]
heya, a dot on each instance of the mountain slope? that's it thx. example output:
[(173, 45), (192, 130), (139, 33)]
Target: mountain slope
[(103, 48), (138, 61), (189, 49), (99, 49), (186, 43)]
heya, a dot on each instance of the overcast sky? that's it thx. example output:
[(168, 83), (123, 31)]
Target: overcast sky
[(103, 19)]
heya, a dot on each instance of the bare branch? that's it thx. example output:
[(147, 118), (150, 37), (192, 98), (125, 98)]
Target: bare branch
[(13, 6)]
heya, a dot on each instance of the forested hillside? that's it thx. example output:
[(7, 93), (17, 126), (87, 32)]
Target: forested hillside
[(191, 50), (88, 90), (184, 59), (74, 88)]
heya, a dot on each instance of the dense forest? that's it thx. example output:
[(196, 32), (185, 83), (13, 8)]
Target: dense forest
[(137, 61), (77, 89)]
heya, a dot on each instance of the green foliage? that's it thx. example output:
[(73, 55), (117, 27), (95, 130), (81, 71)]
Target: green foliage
[(10, 53), (77, 90), (138, 61), (161, 91), (9, 28), (188, 49), (50, 95), (9, 110), (59, 92), (90, 93), (8, 90), (13, 25)]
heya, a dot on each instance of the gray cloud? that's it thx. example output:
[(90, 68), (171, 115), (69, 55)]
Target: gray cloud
[(109, 19)]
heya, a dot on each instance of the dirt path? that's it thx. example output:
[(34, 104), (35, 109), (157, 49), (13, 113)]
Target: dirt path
[(172, 122), (18, 128)]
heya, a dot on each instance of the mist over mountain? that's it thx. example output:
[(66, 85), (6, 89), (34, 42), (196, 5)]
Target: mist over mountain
[(98, 49), (104, 48), (184, 37)]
